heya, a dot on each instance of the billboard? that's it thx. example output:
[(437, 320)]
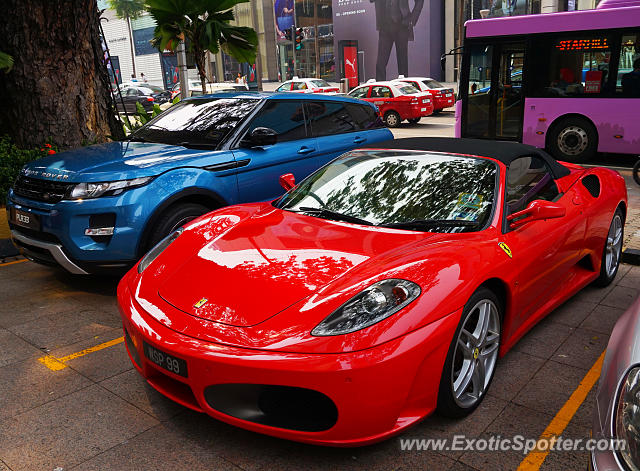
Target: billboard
[(283, 11), (394, 37)]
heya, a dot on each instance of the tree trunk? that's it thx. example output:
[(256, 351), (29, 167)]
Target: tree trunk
[(200, 58), (133, 52), (59, 87)]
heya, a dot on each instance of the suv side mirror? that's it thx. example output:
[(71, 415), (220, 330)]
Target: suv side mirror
[(538, 209), (287, 181), (259, 137)]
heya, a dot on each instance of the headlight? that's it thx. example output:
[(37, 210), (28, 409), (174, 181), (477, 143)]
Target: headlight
[(628, 419), (157, 250), (95, 190), (377, 302)]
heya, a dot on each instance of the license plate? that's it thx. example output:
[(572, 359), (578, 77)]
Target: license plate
[(448, 95), (25, 219), (422, 110), (425, 101), (164, 360)]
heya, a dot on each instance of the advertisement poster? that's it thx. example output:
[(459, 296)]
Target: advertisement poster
[(283, 11), (394, 36)]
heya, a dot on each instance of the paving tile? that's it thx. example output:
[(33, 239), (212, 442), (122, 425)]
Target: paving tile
[(602, 319), (28, 384), (560, 460), (13, 348), (572, 312), (593, 294), (134, 389), (513, 372), (513, 420), (621, 297), (548, 396), (4, 467), (543, 339), (582, 348), (100, 364), (21, 309), (457, 466), (631, 279), (70, 430), (158, 448), (473, 425), (65, 328)]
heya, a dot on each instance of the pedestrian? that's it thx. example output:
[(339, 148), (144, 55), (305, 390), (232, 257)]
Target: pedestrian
[(239, 78), (143, 77), (631, 81), (133, 78)]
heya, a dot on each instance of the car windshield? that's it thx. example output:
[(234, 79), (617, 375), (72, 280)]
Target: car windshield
[(320, 83), (197, 122), (401, 189), (433, 84), (407, 89)]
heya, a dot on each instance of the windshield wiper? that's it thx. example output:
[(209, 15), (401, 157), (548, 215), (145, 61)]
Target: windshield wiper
[(419, 224), (328, 214), (138, 139)]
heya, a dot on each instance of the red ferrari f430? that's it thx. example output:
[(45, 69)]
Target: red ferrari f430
[(383, 287)]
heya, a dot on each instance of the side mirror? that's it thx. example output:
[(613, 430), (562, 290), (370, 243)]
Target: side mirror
[(260, 137), (287, 181), (538, 209)]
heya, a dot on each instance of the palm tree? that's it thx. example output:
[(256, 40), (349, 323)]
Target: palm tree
[(6, 61), (128, 10), (204, 26)]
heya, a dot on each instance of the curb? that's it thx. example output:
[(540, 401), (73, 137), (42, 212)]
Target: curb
[(631, 256)]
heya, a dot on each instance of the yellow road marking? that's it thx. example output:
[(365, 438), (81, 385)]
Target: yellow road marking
[(12, 263), (57, 364), (534, 459)]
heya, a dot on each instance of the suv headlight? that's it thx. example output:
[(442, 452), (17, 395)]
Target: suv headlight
[(377, 302), (95, 190), (158, 249), (627, 420)]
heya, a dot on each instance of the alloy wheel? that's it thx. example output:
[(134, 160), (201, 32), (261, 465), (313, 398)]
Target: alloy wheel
[(476, 353), (614, 246)]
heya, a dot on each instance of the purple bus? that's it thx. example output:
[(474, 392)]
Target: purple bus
[(565, 82)]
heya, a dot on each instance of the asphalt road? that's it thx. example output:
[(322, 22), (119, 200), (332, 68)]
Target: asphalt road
[(70, 399)]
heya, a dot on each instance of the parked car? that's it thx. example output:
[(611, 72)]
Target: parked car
[(195, 88), (307, 85), (145, 94), (104, 206), (396, 102), (617, 408), (382, 287), (443, 97)]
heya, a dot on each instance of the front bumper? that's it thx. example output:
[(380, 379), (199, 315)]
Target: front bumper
[(377, 392)]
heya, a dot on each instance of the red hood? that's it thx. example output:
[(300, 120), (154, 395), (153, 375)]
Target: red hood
[(272, 259)]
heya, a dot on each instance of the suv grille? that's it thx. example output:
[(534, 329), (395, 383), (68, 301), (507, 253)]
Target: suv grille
[(40, 190)]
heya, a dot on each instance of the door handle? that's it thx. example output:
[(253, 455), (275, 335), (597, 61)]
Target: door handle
[(359, 140), (305, 150)]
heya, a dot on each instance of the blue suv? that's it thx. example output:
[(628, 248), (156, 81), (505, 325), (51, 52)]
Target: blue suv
[(102, 207)]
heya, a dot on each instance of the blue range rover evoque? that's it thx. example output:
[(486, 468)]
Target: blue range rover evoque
[(102, 207)]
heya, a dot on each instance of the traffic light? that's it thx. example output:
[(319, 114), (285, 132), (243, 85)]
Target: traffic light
[(299, 38), (287, 34)]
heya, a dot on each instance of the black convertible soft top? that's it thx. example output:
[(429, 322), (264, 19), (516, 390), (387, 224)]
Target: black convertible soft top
[(504, 151)]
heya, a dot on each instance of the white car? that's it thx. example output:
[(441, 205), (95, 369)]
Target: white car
[(307, 85), (443, 97)]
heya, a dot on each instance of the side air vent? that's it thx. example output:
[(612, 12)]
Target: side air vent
[(592, 184)]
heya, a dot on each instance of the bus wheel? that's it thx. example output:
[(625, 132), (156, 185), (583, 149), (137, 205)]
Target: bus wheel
[(573, 139), (392, 119)]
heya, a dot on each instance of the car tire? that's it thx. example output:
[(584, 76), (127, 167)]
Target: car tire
[(477, 350), (612, 251), (437, 111), (414, 120), (392, 119), (173, 218), (573, 139)]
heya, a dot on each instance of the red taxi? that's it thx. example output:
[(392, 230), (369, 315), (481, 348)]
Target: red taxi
[(307, 85), (396, 101), (443, 97)]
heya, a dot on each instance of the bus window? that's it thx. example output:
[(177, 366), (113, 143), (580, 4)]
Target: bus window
[(510, 100), (576, 65), (629, 53), (479, 101)]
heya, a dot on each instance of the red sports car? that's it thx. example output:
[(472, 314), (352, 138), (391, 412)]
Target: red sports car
[(382, 287)]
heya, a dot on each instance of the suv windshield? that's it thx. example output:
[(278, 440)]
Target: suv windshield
[(197, 122), (401, 189)]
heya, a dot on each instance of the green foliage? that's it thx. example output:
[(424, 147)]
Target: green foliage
[(142, 117), (204, 24), (127, 8), (6, 61), (13, 159)]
